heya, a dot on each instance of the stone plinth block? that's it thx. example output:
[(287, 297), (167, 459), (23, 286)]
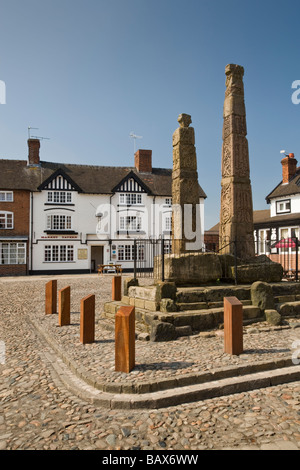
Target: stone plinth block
[(116, 288), (64, 306), (233, 326), (189, 268), (125, 339), (87, 319), (51, 297)]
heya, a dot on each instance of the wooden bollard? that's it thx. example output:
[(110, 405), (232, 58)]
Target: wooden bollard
[(87, 319), (125, 339), (233, 326), (116, 288), (64, 306), (51, 297)]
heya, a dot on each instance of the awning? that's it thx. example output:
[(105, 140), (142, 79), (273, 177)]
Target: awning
[(285, 243)]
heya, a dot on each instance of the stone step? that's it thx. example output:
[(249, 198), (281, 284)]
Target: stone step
[(205, 305), (192, 306), (289, 308), (211, 294)]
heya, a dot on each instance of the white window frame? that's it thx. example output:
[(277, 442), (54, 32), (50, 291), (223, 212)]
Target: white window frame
[(130, 199), (125, 252), (13, 256), (8, 224), (284, 203), (6, 196), (59, 253), (130, 223), (288, 231), (59, 222), (168, 223), (264, 236), (59, 197)]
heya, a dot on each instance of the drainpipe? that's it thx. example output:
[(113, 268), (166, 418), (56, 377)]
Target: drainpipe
[(154, 214), (31, 234)]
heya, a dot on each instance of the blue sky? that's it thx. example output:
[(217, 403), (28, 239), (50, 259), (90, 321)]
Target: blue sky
[(87, 73)]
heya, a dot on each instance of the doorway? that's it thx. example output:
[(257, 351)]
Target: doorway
[(96, 257)]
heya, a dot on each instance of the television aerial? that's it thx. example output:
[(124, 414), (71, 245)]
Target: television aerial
[(35, 136), (134, 137)]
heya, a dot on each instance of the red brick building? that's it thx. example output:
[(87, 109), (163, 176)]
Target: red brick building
[(15, 208), (14, 231)]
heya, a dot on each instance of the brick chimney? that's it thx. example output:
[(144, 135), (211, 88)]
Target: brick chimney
[(143, 161), (33, 152), (289, 165)]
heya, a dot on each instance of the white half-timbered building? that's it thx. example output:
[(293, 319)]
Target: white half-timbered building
[(83, 216)]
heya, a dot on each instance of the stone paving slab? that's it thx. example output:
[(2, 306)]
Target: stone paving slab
[(187, 362), (46, 406)]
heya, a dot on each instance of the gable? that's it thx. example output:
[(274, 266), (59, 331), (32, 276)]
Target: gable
[(131, 184), (59, 181)]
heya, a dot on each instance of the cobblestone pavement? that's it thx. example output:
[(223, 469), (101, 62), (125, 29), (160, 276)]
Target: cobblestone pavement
[(37, 411)]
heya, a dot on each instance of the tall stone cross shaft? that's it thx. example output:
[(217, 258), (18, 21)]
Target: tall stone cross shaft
[(236, 218), (185, 189)]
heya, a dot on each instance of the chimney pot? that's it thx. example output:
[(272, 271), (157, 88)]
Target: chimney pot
[(143, 161), (33, 152)]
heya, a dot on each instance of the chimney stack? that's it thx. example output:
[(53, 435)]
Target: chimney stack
[(33, 152), (143, 161), (289, 166)]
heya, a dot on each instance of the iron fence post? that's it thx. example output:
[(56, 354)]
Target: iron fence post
[(162, 259), (297, 246), (134, 258)]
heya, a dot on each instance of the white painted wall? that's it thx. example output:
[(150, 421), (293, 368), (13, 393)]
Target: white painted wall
[(97, 231), (295, 204)]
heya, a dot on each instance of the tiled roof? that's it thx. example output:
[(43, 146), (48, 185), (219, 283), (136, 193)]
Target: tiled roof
[(284, 190), (263, 217), (92, 179)]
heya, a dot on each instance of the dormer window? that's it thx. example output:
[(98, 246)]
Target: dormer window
[(130, 199), (283, 207)]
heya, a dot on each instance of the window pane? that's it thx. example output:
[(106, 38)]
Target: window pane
[(54, 253), (9, 221), (47, 256), (5, 253), (121, 252), (62, 253), (127, 252), (68, 222), (2, 220), (70, 253)]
